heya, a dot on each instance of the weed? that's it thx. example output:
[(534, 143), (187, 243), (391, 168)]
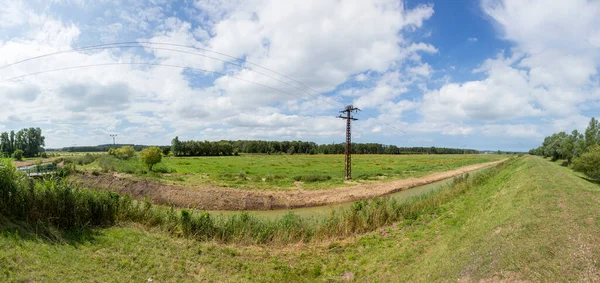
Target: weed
[(312, 178)]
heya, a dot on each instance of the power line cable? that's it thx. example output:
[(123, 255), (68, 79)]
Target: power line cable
[(147, 64), (160, 48), (143, 44), (99, 46)]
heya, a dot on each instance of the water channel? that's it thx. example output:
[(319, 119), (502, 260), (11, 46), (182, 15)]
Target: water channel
[(317, 211)]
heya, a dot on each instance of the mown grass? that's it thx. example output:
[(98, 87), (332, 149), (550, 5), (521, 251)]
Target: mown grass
[(279, 172), (534, 221)]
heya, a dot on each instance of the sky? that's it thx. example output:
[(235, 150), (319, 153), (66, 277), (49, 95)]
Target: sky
[(488, 75)]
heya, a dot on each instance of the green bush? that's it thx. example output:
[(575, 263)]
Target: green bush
[(107, 163), (124, 152), (151, 156), (18, 154), (589, 163)]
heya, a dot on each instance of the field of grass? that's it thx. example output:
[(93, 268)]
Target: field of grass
[(282, 171), (534, 220)]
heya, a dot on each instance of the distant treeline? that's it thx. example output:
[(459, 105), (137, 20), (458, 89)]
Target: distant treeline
[(227, 148), (28, 141), (96, 148), (208, 148)]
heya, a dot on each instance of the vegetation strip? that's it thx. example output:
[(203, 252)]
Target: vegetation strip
[(534, 221), (53, 202), (232, 199)]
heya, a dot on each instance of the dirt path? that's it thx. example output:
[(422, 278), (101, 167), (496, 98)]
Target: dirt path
[(233, 199), (33, 161)]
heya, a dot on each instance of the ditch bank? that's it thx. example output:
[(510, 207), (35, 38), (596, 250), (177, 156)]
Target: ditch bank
[(236, 199)]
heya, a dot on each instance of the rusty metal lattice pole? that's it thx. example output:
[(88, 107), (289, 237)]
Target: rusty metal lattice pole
[(348, 161)]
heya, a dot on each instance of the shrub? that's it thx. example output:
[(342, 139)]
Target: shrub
[(107, 164), (123, 152), (589, 163), (18, 155), (86, 159), (150, 156)]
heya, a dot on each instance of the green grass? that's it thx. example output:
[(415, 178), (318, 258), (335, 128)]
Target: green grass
[(279, 172), (53, 203), (534, 220)]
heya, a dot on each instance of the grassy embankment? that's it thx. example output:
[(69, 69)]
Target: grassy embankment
[(533, 220), (268, 172)]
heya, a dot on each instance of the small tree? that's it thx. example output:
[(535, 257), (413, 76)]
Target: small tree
[(589, 162), (150, 156), (123, 152), (18, 154)]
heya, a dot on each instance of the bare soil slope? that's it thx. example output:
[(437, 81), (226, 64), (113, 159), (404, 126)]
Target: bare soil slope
[(235, 199)]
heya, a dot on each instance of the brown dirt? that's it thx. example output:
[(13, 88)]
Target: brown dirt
[(235, 199), (33, 162)]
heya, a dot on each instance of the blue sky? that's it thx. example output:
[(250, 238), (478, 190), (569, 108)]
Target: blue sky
[(488, 74)]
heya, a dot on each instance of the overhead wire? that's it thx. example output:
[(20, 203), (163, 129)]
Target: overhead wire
[(145, 44), (106, 45), (147, 64), (156, 48)]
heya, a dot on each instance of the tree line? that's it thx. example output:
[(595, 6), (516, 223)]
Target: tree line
[(569, 146), (97, 148), (225, 148), (580, 149), (28, 142)]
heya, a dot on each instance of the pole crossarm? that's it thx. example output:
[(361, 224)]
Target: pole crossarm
[(113, 137), (348, 117)]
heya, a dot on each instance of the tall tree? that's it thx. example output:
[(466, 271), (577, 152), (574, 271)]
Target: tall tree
[(592, 132), (5, 144), (12, 141), (176, 146)]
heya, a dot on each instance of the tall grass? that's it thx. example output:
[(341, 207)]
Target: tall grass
[(54, 202), (81, 159)]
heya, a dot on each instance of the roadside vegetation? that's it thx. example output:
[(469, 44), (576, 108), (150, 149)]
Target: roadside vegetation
[(282, 172)]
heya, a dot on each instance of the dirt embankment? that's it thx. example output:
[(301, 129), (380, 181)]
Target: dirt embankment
[(235, 199), (33, 161)]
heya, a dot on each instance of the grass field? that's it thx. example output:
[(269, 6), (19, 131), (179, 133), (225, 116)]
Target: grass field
[(535, 220), (282, 171)]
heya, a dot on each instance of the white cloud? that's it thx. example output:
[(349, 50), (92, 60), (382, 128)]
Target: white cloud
[(511, 130), (12, 13), (504, 95), (552, 70)]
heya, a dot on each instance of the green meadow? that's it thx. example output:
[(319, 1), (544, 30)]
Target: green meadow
[(283, 172)]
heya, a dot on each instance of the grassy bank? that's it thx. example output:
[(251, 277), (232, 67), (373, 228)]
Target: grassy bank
[(280, 172), (56, 203), (533, 220)]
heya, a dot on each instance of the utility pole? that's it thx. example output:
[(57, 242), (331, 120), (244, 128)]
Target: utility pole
[(348, 111), (113, 136)]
